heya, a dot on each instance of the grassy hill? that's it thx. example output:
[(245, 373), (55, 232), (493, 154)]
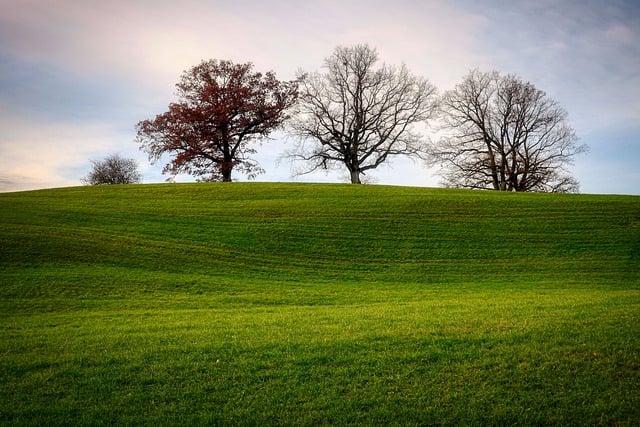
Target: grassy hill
[(312, 304)]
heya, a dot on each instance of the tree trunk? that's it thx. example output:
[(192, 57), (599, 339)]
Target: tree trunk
[(226, 169), (355, 177)]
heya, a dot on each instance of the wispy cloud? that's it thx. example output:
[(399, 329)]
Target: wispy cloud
[(586, 54)]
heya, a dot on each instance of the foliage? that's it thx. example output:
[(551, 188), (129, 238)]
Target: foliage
[(223, 108), (282, 304), (502, 133), (357, 116), (114, 169)]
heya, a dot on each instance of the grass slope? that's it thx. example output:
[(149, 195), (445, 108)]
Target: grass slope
[(318, 304)]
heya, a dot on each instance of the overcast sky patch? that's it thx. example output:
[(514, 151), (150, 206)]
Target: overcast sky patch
[(78, 76)]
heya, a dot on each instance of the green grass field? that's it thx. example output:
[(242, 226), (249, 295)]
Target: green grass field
[(304, 304)]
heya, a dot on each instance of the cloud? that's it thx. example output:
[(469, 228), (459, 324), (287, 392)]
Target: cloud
[(50, 154), (80, 75), (584, 54), (152, 41), (45, 91)]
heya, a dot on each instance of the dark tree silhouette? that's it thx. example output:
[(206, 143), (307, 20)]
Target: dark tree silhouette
[(114, 169), (223, 107), (504, 134), (357, 116)]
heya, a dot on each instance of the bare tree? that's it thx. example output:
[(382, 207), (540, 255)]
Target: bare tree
[(504, 134), (357, 116), (114, 169)]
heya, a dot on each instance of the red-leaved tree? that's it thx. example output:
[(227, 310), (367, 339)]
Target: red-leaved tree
[(223, 107)]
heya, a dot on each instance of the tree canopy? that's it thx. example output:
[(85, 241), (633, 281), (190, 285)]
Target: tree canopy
[(356, 115), (114, 169), (495, 131), (504, 134), (222, 108)]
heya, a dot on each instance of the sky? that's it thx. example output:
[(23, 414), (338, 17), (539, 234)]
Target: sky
[(77, 75)]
